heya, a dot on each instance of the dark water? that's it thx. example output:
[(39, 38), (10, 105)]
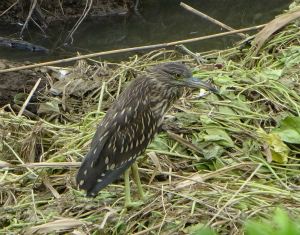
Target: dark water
[(158, 21)]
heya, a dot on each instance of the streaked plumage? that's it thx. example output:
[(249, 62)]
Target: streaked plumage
[(131, 123)]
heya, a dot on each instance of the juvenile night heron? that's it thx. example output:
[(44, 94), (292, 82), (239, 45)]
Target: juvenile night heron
[(131, 123)]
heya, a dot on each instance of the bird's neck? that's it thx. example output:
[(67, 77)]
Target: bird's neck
[(162, 96)]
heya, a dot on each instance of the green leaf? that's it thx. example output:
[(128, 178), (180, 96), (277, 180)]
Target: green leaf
[(223, 80), (272, 73), (279, 150), (229, 113), (198, 229), (220, 136), (219, 164), (289, 130), (281, 224), (186, 119), (206, 120), (285, 224), (205, 166), (291, 57), (159, 143), (212, 151)]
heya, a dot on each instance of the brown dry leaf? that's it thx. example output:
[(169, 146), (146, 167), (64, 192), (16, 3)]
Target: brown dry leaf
[(155, 160), (62, 224), (157, 164), (267, 151), (184, 142), (270, 28), (49, 185)]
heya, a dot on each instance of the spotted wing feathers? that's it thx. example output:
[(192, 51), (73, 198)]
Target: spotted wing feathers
[(121, 138)]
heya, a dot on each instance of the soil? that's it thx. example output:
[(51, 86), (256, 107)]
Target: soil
[(48, 10), (19, 82), (45, 12)]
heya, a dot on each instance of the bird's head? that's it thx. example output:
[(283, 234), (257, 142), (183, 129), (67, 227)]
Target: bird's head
[(177, 74)]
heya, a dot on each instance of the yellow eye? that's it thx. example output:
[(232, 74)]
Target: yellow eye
[(177, 75)]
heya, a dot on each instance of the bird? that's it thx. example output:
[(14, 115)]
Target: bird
[(132, 122)]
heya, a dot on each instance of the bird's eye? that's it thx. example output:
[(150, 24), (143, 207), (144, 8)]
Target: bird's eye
[(177, 75)]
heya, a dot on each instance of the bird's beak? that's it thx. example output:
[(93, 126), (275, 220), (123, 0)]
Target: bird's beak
[(197, 83)]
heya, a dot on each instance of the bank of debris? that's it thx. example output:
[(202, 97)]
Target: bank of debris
[(222, 158)]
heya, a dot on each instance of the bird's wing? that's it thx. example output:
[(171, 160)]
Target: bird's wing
[(121, 138)]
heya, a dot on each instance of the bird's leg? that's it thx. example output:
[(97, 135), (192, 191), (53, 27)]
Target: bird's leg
[(136, 178), (128, 202)]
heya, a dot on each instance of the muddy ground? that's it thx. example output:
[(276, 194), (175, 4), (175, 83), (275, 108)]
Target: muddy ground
[(48, 10), (45, 12), (20, 82)]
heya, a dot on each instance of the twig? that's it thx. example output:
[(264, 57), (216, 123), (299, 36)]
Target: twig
[(29, 97), (148, 230), (28, 17), (9, 8), (184, 142), (39, 27), (27, 113), (82, 17), (193, 10), (136, 5), (101, 97), (63, 99), (49, 185), (132, 49), (110, 213), (50, 164)]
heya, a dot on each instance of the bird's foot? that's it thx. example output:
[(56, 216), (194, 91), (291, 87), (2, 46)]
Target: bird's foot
[(131, 204), (143, 198)]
